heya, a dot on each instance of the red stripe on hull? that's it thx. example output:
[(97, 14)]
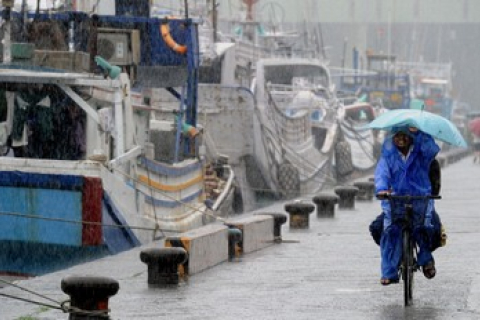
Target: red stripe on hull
[(92, 211)]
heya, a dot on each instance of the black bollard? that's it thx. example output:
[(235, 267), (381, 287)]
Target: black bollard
[(325, 203), (278, 220), (347, 196), (163, 264), (299, 214), (366, 189), (235, 236), (89, 296)]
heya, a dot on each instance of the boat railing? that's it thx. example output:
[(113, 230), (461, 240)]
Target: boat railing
[(247, 53), (226, 189), (425, 69)]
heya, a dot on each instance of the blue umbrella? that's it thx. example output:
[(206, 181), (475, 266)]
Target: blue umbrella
[(435, 125)]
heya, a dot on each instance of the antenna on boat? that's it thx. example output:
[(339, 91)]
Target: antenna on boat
[(214, 20), (186, 9)]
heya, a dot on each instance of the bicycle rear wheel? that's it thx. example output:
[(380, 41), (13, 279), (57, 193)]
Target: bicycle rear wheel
[(408, 268)]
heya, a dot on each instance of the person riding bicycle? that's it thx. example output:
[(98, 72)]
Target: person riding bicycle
[(404, 169)]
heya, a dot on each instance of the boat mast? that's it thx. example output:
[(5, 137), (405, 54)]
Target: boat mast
[(8, 5), (214, 17), (250, 4), (214, 20), (249, 23)]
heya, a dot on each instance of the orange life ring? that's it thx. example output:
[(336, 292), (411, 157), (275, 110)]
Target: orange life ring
[(167, 37)]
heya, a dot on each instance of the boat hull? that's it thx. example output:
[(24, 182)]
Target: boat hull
[(52, 221)]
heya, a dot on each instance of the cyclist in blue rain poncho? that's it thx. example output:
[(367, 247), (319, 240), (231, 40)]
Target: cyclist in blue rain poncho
[(403, 169)]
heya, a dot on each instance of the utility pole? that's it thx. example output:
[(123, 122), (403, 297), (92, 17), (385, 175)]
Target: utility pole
[(214, 20)]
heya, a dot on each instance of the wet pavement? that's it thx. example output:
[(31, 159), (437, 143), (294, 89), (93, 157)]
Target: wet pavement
[(330, 271)]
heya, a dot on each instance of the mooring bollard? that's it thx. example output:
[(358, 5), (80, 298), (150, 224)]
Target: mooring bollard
[(278, 220), (163, 264), (366, 189), (347, 196), (325, 203), (299, 214), (89, 296), (234, 237)]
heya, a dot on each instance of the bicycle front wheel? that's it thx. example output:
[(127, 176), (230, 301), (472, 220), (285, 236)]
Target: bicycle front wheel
[(408, 267)]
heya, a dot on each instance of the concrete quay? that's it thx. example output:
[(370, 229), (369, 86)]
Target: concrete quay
[(330, 270)]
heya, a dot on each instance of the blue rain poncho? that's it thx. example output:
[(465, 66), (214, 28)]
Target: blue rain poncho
[(406, 177)]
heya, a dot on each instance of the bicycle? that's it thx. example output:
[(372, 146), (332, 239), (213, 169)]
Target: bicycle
[(409, 247)]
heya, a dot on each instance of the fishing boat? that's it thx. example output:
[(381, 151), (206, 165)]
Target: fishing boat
[(87, 170), (354, 147), (295, 121), (431, 84), (279, 136), (380, 84)]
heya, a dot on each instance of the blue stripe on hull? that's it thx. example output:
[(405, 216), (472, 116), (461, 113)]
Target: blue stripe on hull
[(168, 170), (116, 239), (174, 203), (40, 180), (44, 203), (35, 259), (37, 246)]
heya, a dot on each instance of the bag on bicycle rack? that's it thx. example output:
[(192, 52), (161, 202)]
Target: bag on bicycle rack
[(376, 228), (436, 239)]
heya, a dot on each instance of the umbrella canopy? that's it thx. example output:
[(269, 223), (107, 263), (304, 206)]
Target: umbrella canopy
[(435, 125), (474, 126)]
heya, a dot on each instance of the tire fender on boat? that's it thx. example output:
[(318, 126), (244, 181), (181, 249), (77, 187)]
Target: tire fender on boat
[(167, 37), (343, 158)]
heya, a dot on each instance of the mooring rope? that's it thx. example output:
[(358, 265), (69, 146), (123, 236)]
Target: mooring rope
[(63, 306)]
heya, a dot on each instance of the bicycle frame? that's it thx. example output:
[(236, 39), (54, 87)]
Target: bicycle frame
[(409, 256), (409, 247)]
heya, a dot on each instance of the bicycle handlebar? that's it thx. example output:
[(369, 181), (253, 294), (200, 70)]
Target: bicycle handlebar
[(389, 196)]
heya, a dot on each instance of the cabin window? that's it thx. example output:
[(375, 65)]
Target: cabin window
[(310, 75), (47, 125)]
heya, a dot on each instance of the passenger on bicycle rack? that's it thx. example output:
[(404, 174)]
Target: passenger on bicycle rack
[(404, 168)]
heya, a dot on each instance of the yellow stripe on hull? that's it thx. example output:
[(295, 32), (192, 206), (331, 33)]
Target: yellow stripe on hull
[(170, 188)]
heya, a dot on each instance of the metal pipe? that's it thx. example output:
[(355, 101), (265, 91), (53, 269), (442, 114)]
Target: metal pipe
[(214, 20), (7, 54)]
